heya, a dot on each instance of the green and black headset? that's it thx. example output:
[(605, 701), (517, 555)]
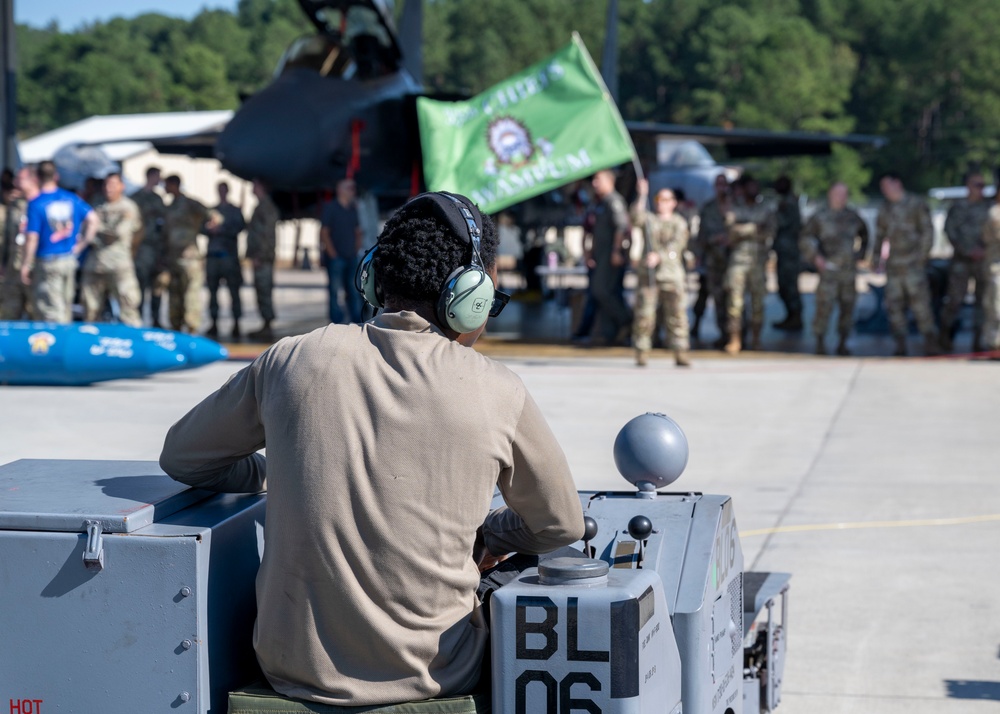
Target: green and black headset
[(468, 296)]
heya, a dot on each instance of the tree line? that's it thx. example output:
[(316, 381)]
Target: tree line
[(915, 71)]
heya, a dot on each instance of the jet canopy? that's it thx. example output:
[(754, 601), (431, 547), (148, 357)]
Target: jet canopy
[(355, 40)]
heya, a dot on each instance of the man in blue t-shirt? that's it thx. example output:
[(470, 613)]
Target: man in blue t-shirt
[(340, 240), (60, 226)]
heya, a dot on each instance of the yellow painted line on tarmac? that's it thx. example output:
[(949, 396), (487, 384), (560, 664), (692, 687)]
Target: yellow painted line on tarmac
[(926, 522)]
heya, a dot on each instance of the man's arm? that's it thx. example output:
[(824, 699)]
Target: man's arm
[(214, 446), (862, 237), (809, 241), (327, 243), (622, 238), (91, 223), (925, 227), (544, 510), (30, 249), (881, 234), (950, 227)]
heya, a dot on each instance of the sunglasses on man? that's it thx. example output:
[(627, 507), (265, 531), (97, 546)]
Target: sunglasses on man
[(500, 300)]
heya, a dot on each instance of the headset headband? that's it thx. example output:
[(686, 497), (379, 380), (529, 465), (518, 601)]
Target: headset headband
[(460, 215)]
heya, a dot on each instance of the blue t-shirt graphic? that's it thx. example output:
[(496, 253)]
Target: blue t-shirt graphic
[(56, 217)]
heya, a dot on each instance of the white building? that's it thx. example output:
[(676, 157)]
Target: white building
[(128, 140)]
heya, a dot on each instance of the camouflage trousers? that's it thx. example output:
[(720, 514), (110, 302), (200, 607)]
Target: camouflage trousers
[(991, 307), (219, 269), (147, 269), (836, 288), (741, 277), (122, 285), (187, 280), (960, 272), (53, 286), (712, 284), (789, 263), (263, 283), (15, 297), (907, 287), (671, 298)]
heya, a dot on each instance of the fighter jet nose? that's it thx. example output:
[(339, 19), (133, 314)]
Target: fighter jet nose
[(281, 136)]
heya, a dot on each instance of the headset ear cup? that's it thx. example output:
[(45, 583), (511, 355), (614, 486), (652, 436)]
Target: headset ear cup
[(465, 300), (365, 280)]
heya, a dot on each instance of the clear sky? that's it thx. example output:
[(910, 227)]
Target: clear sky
[(70, 14)]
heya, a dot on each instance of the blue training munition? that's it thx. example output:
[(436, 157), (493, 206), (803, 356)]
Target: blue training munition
[(196, 349), (44, 353)]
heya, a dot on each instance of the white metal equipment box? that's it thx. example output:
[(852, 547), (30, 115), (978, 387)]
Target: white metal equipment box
[(121, 589)]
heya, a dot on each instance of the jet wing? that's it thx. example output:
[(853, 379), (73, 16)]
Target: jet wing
[(753, 143), (189, 133)]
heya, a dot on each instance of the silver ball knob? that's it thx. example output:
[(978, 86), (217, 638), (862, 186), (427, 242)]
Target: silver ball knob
[(651, 451)]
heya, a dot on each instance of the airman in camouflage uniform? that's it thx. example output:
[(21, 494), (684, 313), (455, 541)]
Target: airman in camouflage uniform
[(109, 268), (991, 271), (261, 241), (183, 221), (834, 239), (149, 254), (964, 228), (904, 221), (786, 249), (749, 235), (15, 296), (222, 264), (712, 252), (661, 275)]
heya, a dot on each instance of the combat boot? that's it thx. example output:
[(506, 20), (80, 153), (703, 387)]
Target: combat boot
[(792, 323), (264, 334), (900, 347), (842, 347), (755, 339), (733, 346), (682, 358), (946, 343), (236, 330), (641, 358), (696, 328), (977, 341), (820, 346), (932, 345), (213, 331)]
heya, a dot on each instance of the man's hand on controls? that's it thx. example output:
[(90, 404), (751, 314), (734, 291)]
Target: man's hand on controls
[(481, 554)]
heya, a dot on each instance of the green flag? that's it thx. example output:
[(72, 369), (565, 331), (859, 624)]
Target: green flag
[(549, 125)]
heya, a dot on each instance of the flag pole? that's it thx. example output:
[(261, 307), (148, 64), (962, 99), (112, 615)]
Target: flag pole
[(577, 40)]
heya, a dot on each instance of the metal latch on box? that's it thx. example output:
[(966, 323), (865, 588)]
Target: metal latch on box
[(93, 554)]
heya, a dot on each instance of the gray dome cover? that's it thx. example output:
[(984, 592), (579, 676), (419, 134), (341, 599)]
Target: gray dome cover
[(651, 448)]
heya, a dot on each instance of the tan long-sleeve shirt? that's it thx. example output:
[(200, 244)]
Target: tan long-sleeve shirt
[(384, 444)]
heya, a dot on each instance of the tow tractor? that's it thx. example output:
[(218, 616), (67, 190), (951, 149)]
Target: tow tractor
[(123, 591), (660, 617)]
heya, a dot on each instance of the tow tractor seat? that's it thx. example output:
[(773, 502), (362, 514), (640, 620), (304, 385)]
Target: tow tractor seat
[(260, 698)]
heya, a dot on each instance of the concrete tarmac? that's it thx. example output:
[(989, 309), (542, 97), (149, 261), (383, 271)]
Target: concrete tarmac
[(874, 481)]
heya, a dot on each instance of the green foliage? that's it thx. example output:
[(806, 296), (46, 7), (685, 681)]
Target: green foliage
[(151, 63), (916, 71)]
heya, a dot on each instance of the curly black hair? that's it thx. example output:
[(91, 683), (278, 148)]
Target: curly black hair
[(417, 252)]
